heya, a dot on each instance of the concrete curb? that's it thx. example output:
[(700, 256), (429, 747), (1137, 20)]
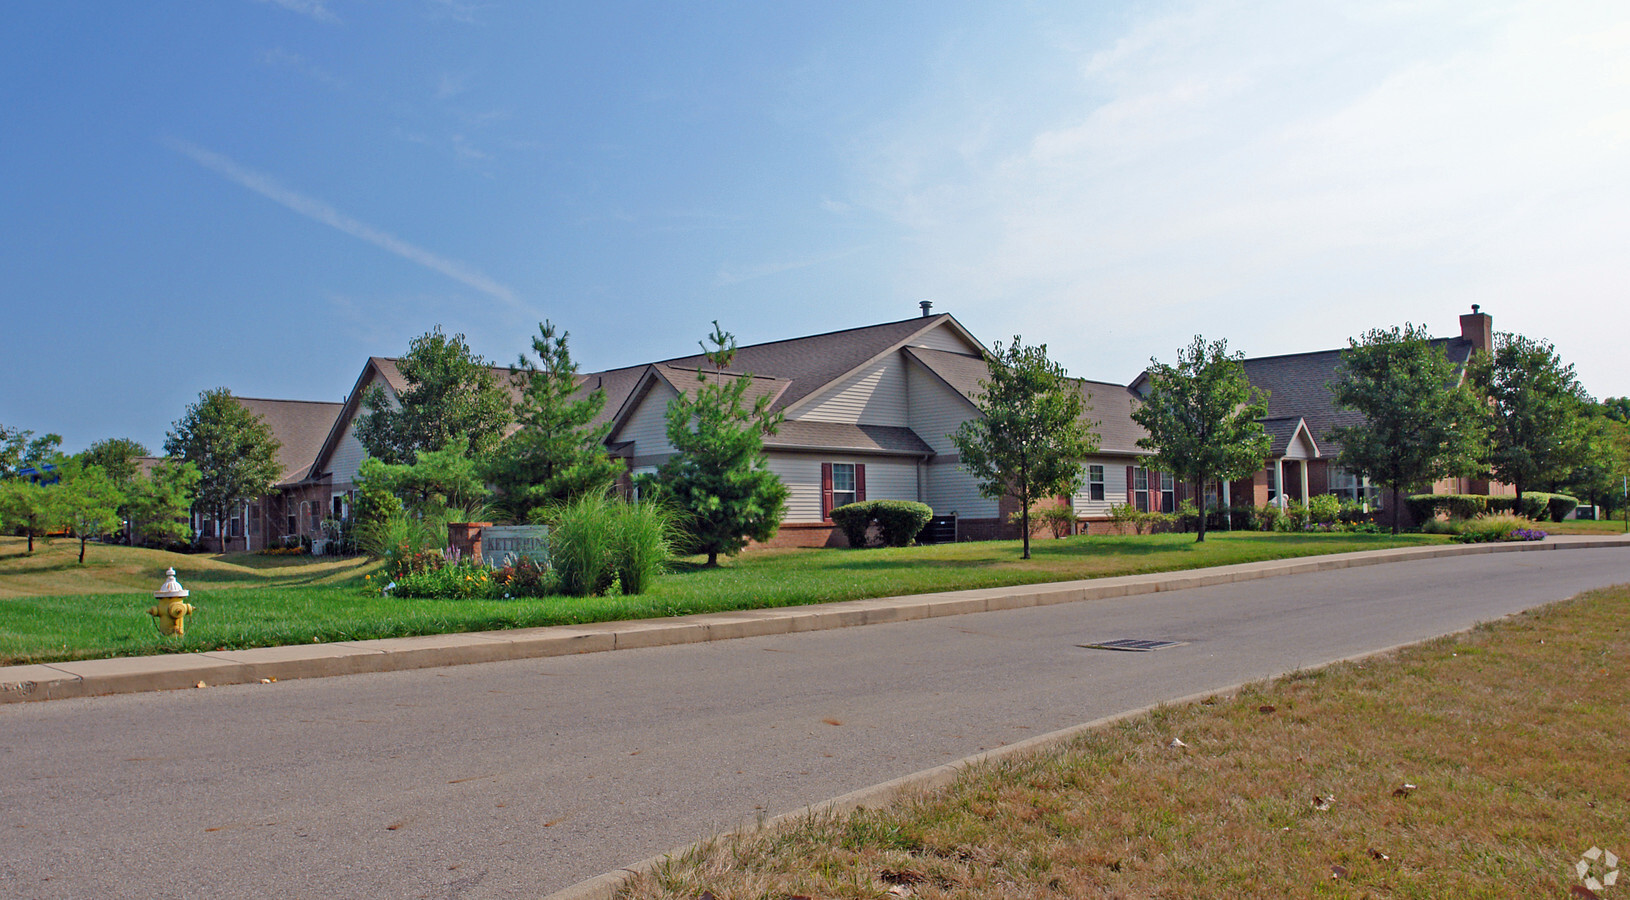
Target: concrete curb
[(605, 887), (132, 674)]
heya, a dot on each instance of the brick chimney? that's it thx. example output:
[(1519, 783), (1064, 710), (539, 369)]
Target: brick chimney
[(1478, 327)]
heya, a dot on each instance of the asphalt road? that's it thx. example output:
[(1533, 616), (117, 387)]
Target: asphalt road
[(519, 778)]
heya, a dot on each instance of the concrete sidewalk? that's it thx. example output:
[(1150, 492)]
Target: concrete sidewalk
[(124, 675)]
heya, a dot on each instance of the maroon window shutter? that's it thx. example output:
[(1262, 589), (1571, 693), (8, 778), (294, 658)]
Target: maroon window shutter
[(1131, 494), (826, 491), (1154, 491), (860, 482)]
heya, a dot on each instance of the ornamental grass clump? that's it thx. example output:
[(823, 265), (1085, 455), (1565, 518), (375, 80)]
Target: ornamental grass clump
[(1495, 527), (599, 544)]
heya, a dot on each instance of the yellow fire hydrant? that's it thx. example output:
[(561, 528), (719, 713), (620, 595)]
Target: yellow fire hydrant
[(172, 609)]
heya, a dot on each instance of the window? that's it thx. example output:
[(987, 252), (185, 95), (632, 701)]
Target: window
[(254, 519), (843, 484), (1212, 500), (1095, 482), (294, 525), (1351, 488), (1140, 488), (237, 526), (1168, 492), (1273, 483)]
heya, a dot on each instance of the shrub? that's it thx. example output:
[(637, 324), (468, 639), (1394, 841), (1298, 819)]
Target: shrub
[(1124, 514), (1269, 517), (1536, 505), (462, 581), (898, 521), (1295, 517), (1324, 509), (854, 520), (1559, 505), (1059, 518), (1455, 506), (523, 578)]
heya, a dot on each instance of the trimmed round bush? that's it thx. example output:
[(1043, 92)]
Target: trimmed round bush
[(898, 521)]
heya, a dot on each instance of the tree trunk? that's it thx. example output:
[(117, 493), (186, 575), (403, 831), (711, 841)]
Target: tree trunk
[(713, 559), (82, 540), (1024, 525), (1202, 492), (1395, 505)]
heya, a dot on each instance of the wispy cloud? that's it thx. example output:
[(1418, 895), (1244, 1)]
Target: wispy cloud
[(1375, 163), (319, 211), (457, 10), (288, 60), (729, 275), (311, 9)]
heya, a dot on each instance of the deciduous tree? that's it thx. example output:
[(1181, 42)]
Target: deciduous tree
[(116, 457), (20, 449), (1032, 437), (556, 454), (452, 400), (1203, 416), (1535, 411), (1420, 424), (720, 480), (234, 451), (87, 501), (157, 503), (28, 507)]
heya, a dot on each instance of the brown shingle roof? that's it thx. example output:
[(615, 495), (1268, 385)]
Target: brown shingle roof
[(299, 426), (1299, 386)]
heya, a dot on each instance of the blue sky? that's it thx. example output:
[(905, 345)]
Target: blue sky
[(262, 193)]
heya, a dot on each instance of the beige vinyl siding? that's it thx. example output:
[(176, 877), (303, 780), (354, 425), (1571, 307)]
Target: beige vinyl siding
[(876, 395), (935, 409), (348, 452), (347, 458), (943, 337), (951, 489), (1114, 486), (886, 479), (648, 426)]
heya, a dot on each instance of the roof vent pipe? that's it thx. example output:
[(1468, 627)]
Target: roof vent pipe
[(926, 305)]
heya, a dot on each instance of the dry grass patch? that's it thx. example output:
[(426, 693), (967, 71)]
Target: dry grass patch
[(1477, 766)]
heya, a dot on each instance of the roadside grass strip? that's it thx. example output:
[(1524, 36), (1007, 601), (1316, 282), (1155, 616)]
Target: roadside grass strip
[(244, 600), (1487, 764)]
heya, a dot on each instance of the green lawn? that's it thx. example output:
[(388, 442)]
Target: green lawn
[(254, 601)]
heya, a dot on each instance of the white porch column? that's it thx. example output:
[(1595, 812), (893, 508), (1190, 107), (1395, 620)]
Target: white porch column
[(1279, 480), (1303, 466), (1228, 505)]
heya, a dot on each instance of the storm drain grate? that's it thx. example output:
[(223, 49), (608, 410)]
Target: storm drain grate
[(1134, 645)]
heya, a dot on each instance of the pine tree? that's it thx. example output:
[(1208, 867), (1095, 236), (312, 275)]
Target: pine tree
[(720, 479), (556, 454)]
